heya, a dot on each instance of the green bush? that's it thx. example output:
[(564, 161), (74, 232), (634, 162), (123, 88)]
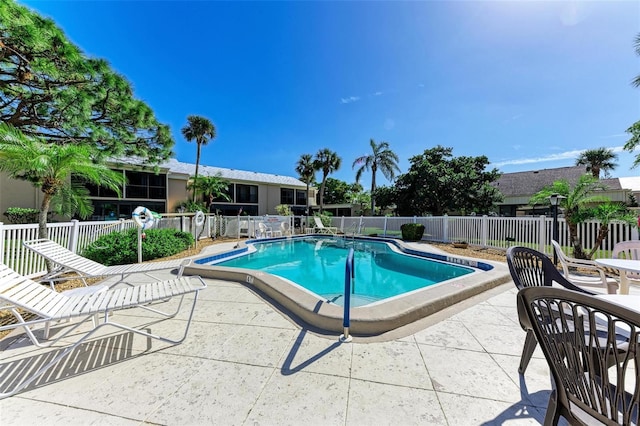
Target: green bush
[(22, 215), (412, 231), (119, 248)]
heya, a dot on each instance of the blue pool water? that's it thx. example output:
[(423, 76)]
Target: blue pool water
[(318, 264)]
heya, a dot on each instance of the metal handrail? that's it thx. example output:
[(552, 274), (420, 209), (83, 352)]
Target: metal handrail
[(349, 274)]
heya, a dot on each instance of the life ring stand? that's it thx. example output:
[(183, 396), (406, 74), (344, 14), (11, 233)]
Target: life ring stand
[(199, 218), (148, 217)]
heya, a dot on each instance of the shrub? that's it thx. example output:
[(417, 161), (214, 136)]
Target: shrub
[(412, 231), (119, 248), (22, 215)]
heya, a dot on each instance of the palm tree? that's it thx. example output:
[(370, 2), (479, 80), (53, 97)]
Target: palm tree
[(50, 167), (306, 169), (202, 131), (327, 161), (597, 159), (381, 158), (575, 204), (636, 46), (212, 186)]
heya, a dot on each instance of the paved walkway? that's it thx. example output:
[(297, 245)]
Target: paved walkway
[(245, 363)]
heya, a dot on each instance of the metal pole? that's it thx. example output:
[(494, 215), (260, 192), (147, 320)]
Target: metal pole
[(555, 232)]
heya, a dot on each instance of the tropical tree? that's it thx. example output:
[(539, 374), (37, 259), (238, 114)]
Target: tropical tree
[(381, 158), (50, 167), (306, 169), (634, 130), (201, 130), (597, 159), (211, 187), (607, 213), (575, 204), (328, 162), (50, 89), (385, 197), (438, 183)]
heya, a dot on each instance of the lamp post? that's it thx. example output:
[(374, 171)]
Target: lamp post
[(554, 199)]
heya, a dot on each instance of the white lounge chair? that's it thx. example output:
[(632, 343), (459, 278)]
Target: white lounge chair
[(321, 229), (44, 306), (264, 231), (66, 262), (599, 280), (628, 250)]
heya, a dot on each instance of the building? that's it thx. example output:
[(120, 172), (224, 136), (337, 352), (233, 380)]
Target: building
[(164, 188), (517, 188)]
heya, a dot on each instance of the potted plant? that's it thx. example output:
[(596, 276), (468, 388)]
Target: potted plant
[(460, 244)]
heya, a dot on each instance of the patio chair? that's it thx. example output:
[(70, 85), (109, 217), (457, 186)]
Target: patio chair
[(69, 265), (34, 304), (264, 231), (601, 280), (578, 345), (628, 250), (321, 229), (530, 268)]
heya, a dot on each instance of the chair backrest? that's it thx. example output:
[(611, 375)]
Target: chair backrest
[(564, 260), (582, 329), (319, 223), (284, 226), (19, 291), (62, 256), (530, 268), (627, 250)]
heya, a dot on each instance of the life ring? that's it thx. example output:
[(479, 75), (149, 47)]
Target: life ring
[(199, 218), (148, 217)]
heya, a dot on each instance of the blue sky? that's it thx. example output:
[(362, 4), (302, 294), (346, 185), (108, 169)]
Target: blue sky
[(528, 84)]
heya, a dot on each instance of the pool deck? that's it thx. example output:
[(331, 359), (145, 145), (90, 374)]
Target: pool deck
[(245, 363)]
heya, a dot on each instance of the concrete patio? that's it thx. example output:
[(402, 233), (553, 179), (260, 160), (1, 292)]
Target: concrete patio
[(245, 363)]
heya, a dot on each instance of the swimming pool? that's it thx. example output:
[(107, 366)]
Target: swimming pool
[(318, 264), (323, 314)]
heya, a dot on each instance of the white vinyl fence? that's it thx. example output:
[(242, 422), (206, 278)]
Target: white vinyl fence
[(483, 231)]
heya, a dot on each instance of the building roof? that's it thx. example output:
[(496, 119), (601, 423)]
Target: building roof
[(177, 167), (530, 182)]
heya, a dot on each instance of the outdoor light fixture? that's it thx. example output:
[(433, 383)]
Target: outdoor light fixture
[(555, 199)]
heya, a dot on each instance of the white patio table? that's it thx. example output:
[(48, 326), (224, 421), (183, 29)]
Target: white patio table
[(622, 266)]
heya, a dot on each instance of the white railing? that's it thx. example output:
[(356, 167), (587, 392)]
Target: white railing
[(483, 231)]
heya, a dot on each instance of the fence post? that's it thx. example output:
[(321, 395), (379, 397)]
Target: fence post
[(415, 219), (2, 238), (634, 233), (484, 231), (73, 235), (445, 228), (542, 236), (121, 227), (385, 226)]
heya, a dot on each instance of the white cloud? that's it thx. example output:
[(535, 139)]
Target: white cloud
[(349, 99), (377, 94), (567, 155)]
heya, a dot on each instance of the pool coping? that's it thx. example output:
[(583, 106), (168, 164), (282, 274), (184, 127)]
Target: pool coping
[(366, 320)]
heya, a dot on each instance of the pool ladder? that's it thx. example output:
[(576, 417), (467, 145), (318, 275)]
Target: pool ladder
[(349, 274)]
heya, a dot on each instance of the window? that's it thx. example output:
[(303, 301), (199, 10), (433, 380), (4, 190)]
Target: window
[(301, 197), (146, 185), (229, 192), (246, 193), (95, 190), (286, 196)]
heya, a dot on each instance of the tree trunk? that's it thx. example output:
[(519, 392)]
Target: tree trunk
[(578, 253), (307, 211), (373, 188), (42, 223), (322, 195), (195, 178), (603, 231)]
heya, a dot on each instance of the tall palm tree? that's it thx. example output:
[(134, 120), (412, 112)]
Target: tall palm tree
[(597, 159), (201, 130), (636, 46), (327, 161), (381, 158), (306, 169), (49, 167)]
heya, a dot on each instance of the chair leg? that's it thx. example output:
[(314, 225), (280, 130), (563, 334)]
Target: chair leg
[(553, 413), (530, 344)]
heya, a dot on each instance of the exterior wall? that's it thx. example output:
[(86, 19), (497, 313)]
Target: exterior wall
[(176, 193), (17, 193)]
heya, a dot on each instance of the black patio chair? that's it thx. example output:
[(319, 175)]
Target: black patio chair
[(530, 268), (586, 332)]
